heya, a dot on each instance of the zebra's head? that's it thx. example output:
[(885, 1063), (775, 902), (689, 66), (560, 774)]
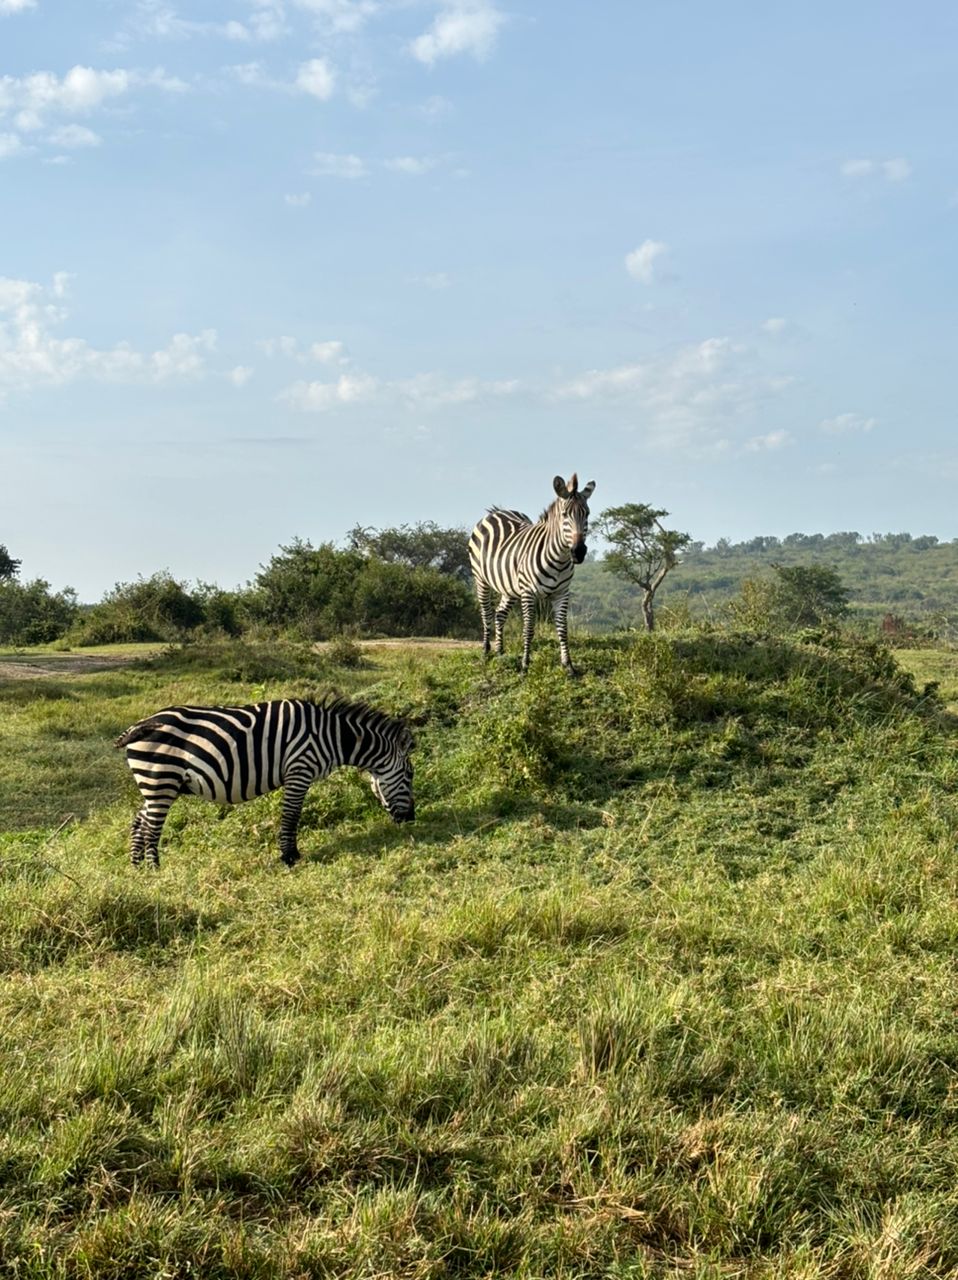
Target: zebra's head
[(573, 511), (391, 776)]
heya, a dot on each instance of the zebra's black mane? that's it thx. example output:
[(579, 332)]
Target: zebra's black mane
[(507, 511), (391, 727), (547, 511)]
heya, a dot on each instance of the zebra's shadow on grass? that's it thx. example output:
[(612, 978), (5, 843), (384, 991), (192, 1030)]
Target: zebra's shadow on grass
[(441, 824)]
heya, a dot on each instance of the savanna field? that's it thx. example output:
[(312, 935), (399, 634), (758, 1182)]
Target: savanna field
[(661, 982)]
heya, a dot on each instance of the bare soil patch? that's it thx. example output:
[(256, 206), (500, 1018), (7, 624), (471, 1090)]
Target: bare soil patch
[(73, 664), (415, 643)]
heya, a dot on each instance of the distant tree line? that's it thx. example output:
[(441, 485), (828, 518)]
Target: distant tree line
[(414, 580), (849, 540), (406, 581)]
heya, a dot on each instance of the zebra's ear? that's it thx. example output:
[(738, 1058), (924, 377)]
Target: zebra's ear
[(587, 491), (559, 485)]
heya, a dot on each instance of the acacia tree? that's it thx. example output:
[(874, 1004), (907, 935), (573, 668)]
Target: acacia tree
[(424, 545), (643, 552)]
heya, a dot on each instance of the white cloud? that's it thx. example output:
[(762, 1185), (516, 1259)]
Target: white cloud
[(774, 324), (416, 166), (460, 28), (16, 6), (896, 169), (11, 145), (157, 20), (680, 399), (421, 392), (75, 135), (436, 280), (857, 168), (435, 108), (31, 355), (240, 375), (327, 164), (640, 263), (267, 22), (316, 78), (282, 346), (349, 388), (340, 16), (35, 97), (299, 201), (252, 74), (433, 391), (673, 376), (771, 441), (331, 351), (845, 423), (182, 356), (328, 352)]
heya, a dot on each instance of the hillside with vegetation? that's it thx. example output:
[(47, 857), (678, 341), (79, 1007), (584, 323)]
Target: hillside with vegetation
[(415, 581), (915, 579), (661, 980)]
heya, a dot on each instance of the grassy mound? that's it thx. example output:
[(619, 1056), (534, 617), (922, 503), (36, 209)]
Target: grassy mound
[(660, 981)]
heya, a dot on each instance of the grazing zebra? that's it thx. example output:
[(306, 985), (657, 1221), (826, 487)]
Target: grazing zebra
[(517, 560), (230, 754)]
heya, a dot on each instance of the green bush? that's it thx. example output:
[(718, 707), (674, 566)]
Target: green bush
[(790, 598), (30, 613), (155, 608), (394, 600), (307, 589), (320, 592)]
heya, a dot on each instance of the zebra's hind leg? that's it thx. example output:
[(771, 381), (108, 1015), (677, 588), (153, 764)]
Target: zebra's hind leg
[(505, 604), (137, 838), (150, 819)]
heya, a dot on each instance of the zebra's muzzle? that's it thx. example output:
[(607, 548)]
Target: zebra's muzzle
[(403, 815), (578, 552)]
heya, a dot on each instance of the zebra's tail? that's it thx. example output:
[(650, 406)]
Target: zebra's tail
[(142, 729)]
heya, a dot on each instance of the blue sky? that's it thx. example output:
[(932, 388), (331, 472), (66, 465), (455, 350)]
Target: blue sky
[(271, 268)]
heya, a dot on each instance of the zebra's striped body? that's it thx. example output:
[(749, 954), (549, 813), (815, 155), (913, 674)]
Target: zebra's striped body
[(520, 560), (231, 754)]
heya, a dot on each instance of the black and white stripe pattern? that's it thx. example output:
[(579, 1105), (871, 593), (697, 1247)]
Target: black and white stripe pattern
[(518, 560), (231, 754)]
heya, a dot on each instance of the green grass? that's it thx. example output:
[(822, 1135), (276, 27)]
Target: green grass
[(933, 666), (661, 981)]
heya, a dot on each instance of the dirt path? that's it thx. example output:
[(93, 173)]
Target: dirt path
[(41, 666), (413, 643), (73, 664)]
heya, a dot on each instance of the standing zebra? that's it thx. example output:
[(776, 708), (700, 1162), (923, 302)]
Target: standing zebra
[(230, 754), (517, 560)]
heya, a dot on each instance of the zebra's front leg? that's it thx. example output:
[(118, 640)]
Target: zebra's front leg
[(528, 626), (560, 610), (505, 604), (294, 793), (484, 597)]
